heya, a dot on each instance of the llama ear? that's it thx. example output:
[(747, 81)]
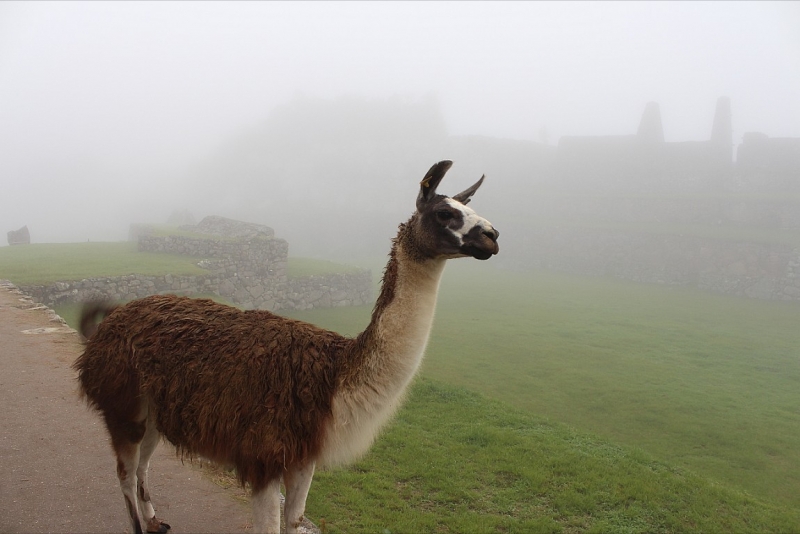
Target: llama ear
[(428, 185), (466, 194)]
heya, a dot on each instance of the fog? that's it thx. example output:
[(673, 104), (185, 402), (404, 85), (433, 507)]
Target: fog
[(314, 118)]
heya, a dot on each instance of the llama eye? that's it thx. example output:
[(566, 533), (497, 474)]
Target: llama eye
[(444, 215)]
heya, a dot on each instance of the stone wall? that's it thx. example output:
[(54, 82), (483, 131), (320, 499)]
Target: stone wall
[(251, 273), (735, 211), (329, 291), (749, 269), (117, 288), (259, 257), (323, 291), (768, 164)]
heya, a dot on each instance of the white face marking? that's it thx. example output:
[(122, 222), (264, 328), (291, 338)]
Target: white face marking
[(470, 218)]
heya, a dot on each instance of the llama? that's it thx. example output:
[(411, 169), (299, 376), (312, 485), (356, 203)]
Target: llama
[(273, 397)]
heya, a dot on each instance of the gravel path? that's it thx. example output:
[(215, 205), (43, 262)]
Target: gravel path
[(57, 471)]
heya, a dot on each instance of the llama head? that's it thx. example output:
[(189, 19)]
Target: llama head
[(445, 227)]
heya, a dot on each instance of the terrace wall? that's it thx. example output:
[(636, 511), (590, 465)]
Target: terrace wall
[(749, 269), (322, 291)]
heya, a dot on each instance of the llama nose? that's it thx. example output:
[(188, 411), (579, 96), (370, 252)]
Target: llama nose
[(491, 233)]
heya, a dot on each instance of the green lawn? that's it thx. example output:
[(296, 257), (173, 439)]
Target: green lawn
[(455, 461), (44, 263), (703, 381), (52, 262)]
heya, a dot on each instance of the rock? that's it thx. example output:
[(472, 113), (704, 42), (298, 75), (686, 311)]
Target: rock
[(19, 237), (256, 291), (762, 289), (226, 288), (792, 292)]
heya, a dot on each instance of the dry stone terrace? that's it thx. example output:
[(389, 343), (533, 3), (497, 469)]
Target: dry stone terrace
[(246, 265), (768, 271)]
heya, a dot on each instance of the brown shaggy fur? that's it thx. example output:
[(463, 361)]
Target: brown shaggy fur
[(217, 379)]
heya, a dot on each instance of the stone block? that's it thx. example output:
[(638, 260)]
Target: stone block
[(226, 288), (792, 291), (256, 290), (762, 289), (241, 295), (19, 237)]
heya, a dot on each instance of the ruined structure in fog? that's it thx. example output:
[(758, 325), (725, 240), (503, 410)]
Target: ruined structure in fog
[(19, 237), (768, 164), (245, 263), (641, 208), (644, 162)]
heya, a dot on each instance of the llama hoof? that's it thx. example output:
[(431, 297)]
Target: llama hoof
[(155, 526)]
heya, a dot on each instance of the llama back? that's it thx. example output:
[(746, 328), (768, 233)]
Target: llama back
[(213, 376)]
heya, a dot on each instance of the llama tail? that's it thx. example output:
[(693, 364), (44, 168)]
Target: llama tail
[(89, 317)]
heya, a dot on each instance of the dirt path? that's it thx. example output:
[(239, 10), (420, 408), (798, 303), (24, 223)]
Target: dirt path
[(57, 471)]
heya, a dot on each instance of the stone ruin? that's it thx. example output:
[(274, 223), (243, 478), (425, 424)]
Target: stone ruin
[(214, 225), (243, 262), (19, 237)]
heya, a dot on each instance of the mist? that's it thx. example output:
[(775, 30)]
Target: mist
[(319, 119)]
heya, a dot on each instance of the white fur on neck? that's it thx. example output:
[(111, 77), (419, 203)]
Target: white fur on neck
[(359, 412)]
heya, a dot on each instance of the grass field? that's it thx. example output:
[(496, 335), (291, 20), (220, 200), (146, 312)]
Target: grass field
[(52, 262), (44, 263), (560, 403), (455, 461), (701, 381)]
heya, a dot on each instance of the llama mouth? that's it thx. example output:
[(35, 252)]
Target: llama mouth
[(480, 253)]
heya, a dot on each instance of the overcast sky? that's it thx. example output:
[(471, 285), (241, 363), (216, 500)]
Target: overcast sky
[(103, 101)]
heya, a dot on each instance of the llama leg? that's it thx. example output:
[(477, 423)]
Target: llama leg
[(267, 508), (297, 482), (126, 439), (149, 443)]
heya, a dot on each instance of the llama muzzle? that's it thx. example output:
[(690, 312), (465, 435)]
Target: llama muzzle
[(481, 243)]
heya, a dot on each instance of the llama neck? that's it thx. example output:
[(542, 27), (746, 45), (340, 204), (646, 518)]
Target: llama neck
[(392, 346), (383, 359)]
